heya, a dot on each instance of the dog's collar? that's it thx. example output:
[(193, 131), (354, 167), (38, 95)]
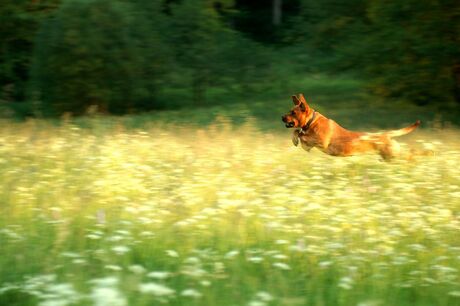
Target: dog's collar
[(305, 128)]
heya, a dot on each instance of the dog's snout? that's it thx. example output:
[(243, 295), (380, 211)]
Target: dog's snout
[(283, 118)]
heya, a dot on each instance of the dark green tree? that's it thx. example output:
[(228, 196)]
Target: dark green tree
[(196, 36), (97, 52), (20, 20), (414, 49), (325, 29), (405, 49)]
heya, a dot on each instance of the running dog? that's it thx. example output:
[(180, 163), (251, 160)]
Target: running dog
[(315, 130)]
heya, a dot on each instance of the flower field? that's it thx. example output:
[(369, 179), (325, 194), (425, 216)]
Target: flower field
[(222, 215)]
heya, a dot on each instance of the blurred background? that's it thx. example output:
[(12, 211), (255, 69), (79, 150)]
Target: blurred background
[(232, 57), (143, 160)]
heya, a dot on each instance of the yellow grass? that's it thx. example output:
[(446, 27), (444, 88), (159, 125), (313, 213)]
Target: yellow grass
[(222, 216)]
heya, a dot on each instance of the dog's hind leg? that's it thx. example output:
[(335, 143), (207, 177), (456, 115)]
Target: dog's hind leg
[(389, 149)]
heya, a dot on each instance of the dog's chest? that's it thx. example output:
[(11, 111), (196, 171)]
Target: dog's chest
[(308, 139)]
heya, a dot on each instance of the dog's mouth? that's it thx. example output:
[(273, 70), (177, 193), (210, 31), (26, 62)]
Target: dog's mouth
[(288, 122)]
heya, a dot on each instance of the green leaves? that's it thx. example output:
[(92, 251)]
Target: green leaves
[(406, 49), (97, 52), (117, 54)]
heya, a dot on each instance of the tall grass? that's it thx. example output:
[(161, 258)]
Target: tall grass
[(221, 215)]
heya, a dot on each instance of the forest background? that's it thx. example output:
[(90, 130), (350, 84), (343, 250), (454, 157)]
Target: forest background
[(140, 56)]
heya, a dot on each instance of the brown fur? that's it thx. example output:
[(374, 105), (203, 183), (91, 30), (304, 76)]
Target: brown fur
[(329, 137)]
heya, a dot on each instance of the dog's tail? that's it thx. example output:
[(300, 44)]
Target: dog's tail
[(403, 131)]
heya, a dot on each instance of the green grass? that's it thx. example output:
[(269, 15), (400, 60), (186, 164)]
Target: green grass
[(343, 99), (208, 207)]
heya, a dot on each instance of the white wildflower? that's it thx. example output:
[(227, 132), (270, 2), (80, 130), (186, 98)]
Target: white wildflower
[(105, 282), (232, 254), (255, 259), (54, 302), (192, 260), (159, 274), (264, 296), (172, 253), (79, 261), (156, 289), (113, 267), (281, 241), (370, 303), (346, 283), (115, 238), (137, 269), (8, 287), (147, 234), (282, 266), (194, 271), (120, 249), (59, 295), (325, 264), (256, 303), (70, 254), (107, 296), (191, 293), (93, 236)]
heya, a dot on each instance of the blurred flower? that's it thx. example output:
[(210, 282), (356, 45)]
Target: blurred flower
[(107, 296), (156, 289), (232, 254), (255, 259), (113, 267), (159, 274), (172, 253), (120, 249), (264, 296), (282, 266), (137, 269), (191, 293)]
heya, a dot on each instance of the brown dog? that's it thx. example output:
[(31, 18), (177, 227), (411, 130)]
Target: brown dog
[(315, 130)]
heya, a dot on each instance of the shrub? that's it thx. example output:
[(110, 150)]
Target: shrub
[(97, 52)]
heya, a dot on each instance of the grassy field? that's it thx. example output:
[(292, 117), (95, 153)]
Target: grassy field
[(186, 208)]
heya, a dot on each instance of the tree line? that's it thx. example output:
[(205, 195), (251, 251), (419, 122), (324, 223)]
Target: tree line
[(405, 49), (65, 55)]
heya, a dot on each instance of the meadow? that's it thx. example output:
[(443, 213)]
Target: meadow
[(110, 211)]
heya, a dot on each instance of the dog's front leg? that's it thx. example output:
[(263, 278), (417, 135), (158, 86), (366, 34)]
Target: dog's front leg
[(305, 146), (295, 137)]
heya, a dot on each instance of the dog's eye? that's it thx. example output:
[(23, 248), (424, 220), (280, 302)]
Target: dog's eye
[(293, 113)]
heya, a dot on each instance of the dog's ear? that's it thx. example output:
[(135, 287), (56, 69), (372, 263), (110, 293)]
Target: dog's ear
[(303, 107), (303, 102), (295, 100), (302, 99)]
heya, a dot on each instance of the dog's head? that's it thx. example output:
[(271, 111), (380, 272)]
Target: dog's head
[(297, 116)]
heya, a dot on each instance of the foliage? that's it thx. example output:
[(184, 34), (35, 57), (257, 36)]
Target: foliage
[(133, 55), (195, 29), (255, 18), (20, 21), (407, 49), (207, 49), (97, 52), (415, 51)]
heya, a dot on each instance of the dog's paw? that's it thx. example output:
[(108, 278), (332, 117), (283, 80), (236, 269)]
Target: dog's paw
[(295, 140)]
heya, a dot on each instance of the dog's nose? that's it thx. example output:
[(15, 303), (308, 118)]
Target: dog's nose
[(283, 118)]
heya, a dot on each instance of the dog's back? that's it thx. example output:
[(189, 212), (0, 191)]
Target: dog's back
[(325, 134)]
